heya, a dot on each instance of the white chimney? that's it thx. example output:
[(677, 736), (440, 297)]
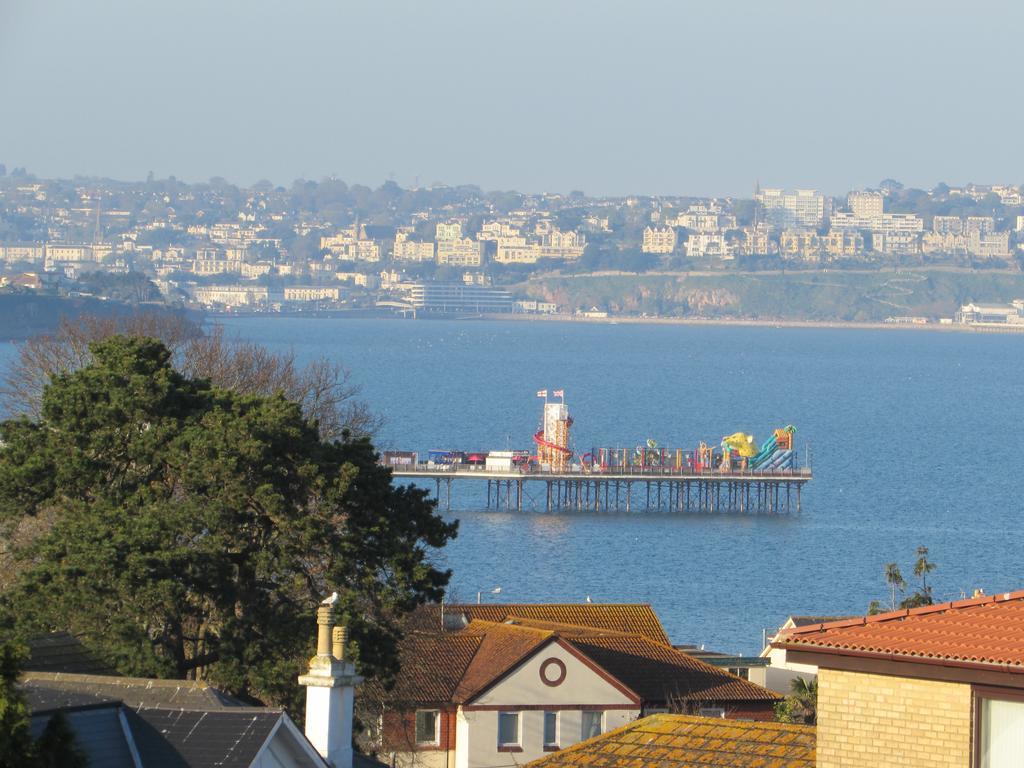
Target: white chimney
[(330, 690)]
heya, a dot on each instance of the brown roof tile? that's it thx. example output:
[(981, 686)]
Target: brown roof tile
[(679, 741), (986, 631), (638, 618)]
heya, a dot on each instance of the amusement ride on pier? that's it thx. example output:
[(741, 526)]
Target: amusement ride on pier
[(735, 476)]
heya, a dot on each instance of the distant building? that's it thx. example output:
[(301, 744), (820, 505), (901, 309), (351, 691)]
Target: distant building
[(351, 244), (32, 254), (865, 205), (700, 245), (230, 295), (896, 243), (311, 293), (659, 240), (990, 245), (756, 241), (451, 230), (703, 218), (411, 250), (460, 251), (843, 243), (457, 297), (947, 225), (803, 208), (991, 314), (800, 244)]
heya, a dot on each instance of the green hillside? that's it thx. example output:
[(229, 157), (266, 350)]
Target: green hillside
[(824, 295)]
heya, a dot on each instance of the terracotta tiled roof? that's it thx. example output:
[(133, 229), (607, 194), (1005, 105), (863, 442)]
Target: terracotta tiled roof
[(638, 618), (502, 647), (457, 666), (986, 631), (661, 674), (432, 666), (679, 741)]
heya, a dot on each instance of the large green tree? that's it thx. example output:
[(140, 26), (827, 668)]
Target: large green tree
[(191, 530)]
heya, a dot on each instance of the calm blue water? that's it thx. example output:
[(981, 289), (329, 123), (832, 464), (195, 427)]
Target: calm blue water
[(915, 440)]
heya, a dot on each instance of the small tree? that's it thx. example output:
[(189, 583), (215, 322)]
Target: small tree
[(895, 581), (15, 740)]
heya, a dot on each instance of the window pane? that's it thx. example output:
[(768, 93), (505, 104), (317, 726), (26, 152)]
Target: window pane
[(426, 726), (550, 729), (508, 728), (1002, 733), (591, 724)]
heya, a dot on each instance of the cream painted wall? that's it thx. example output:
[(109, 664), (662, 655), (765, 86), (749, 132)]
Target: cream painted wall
[(582, 685), (427, 758), (477, 729)]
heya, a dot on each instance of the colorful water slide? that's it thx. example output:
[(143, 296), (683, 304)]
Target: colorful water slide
[(776, 450)]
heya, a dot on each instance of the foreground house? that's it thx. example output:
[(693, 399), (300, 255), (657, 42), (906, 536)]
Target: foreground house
[(492, 693), (138, 722), (941, 685), (681, 741)]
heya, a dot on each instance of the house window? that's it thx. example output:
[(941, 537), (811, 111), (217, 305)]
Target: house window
[(592, 724), (550, 730), (1001, 741), (711, 712), (508, 729), (428, 726)]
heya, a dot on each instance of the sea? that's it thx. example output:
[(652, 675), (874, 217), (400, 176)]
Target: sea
[(915, 440)]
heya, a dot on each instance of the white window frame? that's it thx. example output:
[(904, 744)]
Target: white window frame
[(600, 723), (711, 712), (557, 743), (437, 728), (519, 730)]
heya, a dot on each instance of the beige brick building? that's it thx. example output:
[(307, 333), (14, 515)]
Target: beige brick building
[(932, 687)]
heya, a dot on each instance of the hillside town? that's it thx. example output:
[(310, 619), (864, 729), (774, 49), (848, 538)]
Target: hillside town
[(323, 246)]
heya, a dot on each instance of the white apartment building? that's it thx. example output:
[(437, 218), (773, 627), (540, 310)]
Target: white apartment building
[(450, 230), (802, 208), (311, 293), (947, 225), (230, 295), (411, 250), (460, 251), (887, 223), (26, 253), (496, 231), (350, 245), (703, 218), (701, 245), (865, 205), (659, 240)]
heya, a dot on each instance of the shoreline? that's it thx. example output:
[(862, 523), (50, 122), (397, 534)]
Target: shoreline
[(629, 320)]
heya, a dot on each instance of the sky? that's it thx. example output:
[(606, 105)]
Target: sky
[(648, 97)]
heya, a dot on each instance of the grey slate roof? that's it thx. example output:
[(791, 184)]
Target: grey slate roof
[(46, 690), (63, 652), (98, 733), (173, 723), (169, 738)]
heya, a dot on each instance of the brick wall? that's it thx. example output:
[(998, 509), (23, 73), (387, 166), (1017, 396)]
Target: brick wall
[(885, 721)]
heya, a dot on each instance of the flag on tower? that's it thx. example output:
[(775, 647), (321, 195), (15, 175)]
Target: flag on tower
[(542, 393), (559, 393)]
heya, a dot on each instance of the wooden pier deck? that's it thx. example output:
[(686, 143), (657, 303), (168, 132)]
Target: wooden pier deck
[(633, 489)]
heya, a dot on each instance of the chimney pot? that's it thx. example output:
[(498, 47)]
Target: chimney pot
[(339, 639), (325, 622)]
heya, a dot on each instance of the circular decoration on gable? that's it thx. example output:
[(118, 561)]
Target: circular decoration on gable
[(552, 672)]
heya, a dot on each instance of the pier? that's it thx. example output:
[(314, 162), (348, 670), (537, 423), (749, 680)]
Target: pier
[(624, 490), (738, 476)]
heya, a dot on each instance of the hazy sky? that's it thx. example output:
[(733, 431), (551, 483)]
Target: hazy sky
[(638, 96)]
